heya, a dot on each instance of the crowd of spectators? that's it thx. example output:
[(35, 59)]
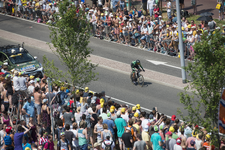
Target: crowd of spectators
[(110, 20), (30, 112)]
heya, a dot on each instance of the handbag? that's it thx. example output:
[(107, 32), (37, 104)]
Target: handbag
[(218, 6)]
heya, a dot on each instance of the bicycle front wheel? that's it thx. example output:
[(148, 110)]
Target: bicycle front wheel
[(141, 80)]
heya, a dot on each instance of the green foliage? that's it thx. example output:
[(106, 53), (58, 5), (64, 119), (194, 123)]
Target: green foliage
[(52, 71), (70, 37), (208, 75)]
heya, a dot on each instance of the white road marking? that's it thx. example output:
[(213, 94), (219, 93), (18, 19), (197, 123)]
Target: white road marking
[(162, 63)]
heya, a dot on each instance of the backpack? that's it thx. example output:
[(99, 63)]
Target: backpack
[(67, 143), (108, 147), (43, 145), (8, 140), (59, 132), (58, 98), (55, 111)]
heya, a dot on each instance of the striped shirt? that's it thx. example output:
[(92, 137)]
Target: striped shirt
[(42, 140)]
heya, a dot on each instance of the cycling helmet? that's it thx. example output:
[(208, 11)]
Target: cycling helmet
[(138, 62)]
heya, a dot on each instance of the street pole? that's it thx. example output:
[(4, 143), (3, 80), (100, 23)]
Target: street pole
[(181, 44), (52, 119)]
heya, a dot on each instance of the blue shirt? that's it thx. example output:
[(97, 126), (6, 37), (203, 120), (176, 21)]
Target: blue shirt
[(18, 138), (120, 124), (114, 3), (155, 138), (29, 107), (110, 124)]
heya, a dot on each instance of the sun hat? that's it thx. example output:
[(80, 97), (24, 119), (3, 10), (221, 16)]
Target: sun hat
[(111, 110), (130, 19), (37, 79), (86, 89), (178, 141), (62, 133), (44, 100), (171, 129), (173, 117), (8, 129), (31, 81), (192, 142), (169, 133), (136, 114), (161, 127), (138, 106), (112, 107), (109, 115), (102, 14), (97, 144), (90, 110), (156, 128), (123, 110), (134, 108)]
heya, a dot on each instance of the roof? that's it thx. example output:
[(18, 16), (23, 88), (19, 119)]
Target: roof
[(7, 49)]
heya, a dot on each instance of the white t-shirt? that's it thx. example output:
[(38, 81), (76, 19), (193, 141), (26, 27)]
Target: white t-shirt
[(144, 123), (177, 147), (75, 143), (2, 136), (30, 89), (16, 83), (125, 117), (144, 30), (22, 81), (150, 4), (169, 5)]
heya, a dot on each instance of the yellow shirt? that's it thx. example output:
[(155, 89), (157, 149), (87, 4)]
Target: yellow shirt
[(81, 99), (24, 2), (37, 6), (137, 128), (194, 33), (146, 137)]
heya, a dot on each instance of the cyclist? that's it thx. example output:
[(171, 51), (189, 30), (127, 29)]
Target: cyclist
[(136, 65)]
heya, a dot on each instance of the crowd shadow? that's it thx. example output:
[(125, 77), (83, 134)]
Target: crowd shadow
[(205, 10), (190, 7)]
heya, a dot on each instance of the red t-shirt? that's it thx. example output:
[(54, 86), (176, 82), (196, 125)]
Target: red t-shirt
[(157, 10), (108, 20)]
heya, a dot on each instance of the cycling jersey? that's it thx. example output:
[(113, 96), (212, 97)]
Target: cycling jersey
[(135, 65)]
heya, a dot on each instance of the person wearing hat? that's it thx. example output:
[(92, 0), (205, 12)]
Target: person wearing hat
[(131, 114), (156, 139), (97, 146), (107, 143), (113, 114), (127, 138), (124, 114), (63, 143), (177, 146), (170, 142), (144, 32), (138, 109), (111, 125), (174, 40)]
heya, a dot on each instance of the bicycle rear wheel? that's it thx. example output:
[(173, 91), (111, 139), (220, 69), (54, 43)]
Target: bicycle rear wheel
[(141, 80), (131, 77)]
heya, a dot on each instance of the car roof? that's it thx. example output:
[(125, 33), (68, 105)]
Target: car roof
[(8, 48)]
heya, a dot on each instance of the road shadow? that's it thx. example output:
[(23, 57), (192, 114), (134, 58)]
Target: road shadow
[(146, 84)]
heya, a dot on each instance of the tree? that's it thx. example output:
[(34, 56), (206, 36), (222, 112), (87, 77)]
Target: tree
[(70, 37), (208, 75)]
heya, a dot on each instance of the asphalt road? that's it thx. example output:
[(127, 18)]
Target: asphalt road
[(125, 54), (118, 85)]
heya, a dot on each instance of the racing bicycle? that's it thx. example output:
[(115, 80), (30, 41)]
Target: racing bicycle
[(139, 77)]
